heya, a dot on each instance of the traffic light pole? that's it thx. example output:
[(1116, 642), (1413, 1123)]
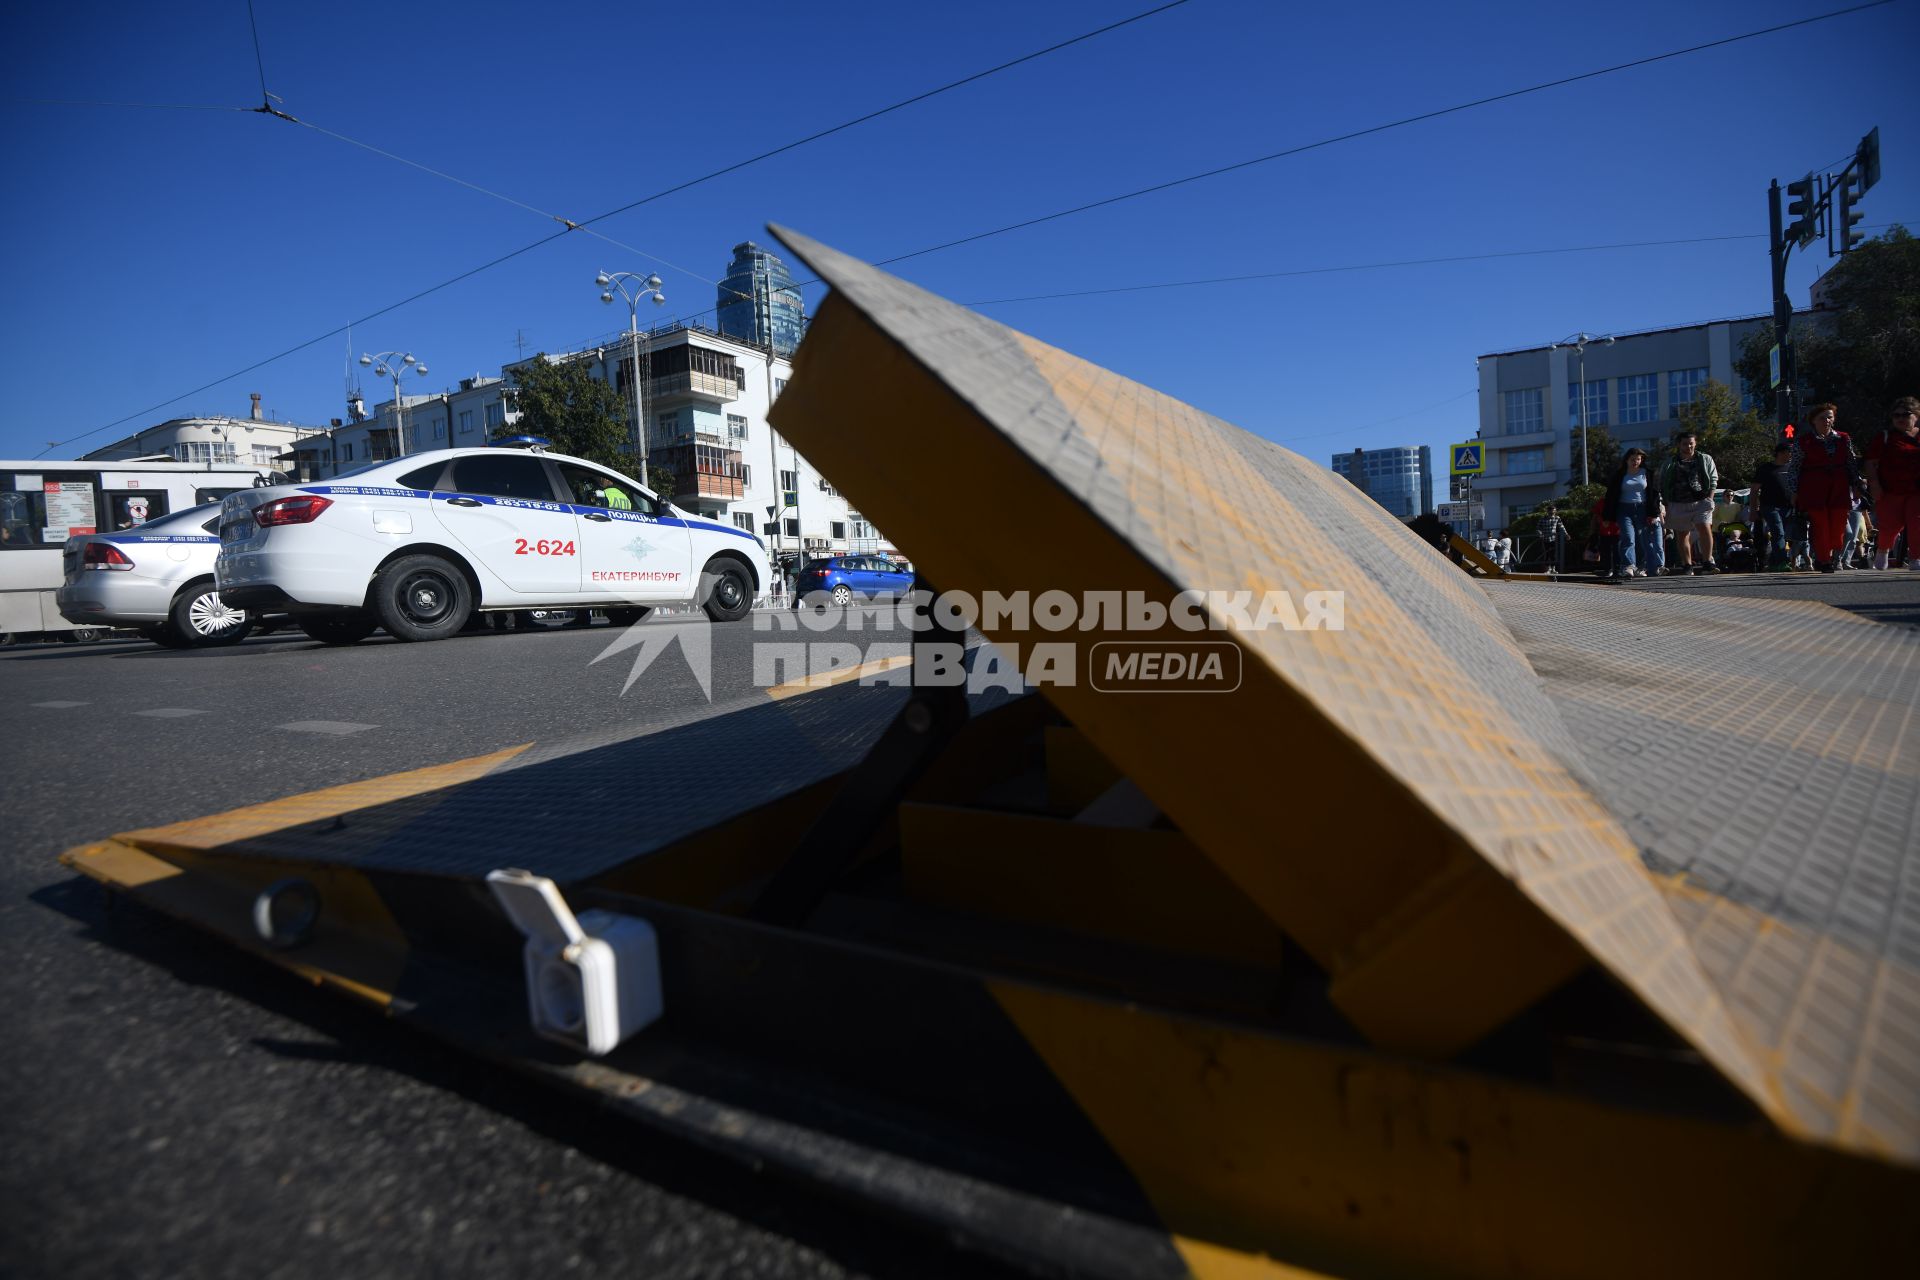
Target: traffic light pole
[(1811, 200), (1782, 309)]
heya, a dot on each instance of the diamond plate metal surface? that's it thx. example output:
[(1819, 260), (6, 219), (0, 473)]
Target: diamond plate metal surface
[(1765, 757), (1425, 680)]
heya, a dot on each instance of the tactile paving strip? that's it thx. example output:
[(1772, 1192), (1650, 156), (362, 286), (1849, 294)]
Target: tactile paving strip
[(1765, 757)]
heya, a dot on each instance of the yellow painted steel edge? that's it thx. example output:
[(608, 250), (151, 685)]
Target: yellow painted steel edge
[(844, 675), (356, 946), (1349, 1161), (309, 807), (1474, 556), (179, 869)]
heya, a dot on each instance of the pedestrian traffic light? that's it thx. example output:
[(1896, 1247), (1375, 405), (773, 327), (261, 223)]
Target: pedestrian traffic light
[(1848, 216), (1802, 211), (1867, 159), (1789, 433)]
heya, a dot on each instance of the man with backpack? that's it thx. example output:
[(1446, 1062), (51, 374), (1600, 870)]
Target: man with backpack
[(1687, 483)]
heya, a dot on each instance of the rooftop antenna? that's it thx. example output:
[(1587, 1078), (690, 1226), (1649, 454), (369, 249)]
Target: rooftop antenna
[(520, 341)]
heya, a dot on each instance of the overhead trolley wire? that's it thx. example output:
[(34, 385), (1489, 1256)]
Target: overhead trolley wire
[(1382, 128), (568, 224), (587, 224), (1325, 142), (258, 61), (903, 103)]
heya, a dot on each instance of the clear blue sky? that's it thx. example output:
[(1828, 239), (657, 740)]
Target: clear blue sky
[(151, 251)]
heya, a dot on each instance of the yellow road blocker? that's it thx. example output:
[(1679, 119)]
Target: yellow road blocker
[(1263, 897)]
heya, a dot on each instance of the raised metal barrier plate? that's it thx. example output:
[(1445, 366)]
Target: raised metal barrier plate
[(1403, 796)]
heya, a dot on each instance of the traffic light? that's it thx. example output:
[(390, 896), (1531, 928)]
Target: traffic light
[(1789, 433), (1867, 158), (1802, 211), (1849, 216)]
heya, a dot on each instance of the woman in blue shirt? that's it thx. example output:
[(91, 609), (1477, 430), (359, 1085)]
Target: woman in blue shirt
[(1634, 502)]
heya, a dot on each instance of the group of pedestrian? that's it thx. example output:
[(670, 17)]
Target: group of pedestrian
[(1825, 506), (1632, 519), (1843, 509)]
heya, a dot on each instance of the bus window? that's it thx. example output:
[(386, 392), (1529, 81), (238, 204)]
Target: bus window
[(132, 508), (44, 509)]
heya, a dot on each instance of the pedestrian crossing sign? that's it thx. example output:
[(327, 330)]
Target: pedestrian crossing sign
[(1468, 460)]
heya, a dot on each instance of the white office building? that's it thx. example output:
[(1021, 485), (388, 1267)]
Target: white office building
[(1634, 385)]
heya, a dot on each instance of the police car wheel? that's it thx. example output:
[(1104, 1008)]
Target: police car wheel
[(727, 597), (337, 628), (627, 617), (422, 598), (202, 620), (843, 595)]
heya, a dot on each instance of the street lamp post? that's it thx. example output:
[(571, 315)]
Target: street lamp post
[(631, 289), (391, 364), (1579, 343)]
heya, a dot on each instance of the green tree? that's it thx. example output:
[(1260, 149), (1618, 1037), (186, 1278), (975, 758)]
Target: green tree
[(580, 414), (1863, 352), (1603, 453), (1737, 439), (1574, 508)]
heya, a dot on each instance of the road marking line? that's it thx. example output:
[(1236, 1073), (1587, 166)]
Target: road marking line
[(172, 713), (339, 728), (257, 820)]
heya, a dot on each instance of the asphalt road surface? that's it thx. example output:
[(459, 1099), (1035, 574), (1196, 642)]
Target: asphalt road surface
[(1885, 595), (171, 1107)]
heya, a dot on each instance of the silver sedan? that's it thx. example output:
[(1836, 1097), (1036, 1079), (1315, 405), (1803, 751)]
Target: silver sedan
[(157, 579)]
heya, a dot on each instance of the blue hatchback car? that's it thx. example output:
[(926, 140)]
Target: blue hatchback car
[(844, 579)]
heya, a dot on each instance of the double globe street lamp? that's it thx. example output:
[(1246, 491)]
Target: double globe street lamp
[(1579, 342), (391, 364), (631, 289)]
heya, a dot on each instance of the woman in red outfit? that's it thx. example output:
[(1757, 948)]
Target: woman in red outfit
[(1824, 475), (1893, 475)]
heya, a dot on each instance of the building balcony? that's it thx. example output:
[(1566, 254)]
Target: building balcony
[(708, 387), (703, 472), (699, 486)]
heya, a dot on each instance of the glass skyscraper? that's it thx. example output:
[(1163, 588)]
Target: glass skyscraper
[(1401, 480), (759, 302)]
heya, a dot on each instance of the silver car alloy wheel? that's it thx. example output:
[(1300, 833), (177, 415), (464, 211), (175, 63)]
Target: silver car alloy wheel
[(210, 616)]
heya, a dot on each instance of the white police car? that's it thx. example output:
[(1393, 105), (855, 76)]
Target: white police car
[(417, 544)]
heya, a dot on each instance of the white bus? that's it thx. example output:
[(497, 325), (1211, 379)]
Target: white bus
[(42, 504)]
